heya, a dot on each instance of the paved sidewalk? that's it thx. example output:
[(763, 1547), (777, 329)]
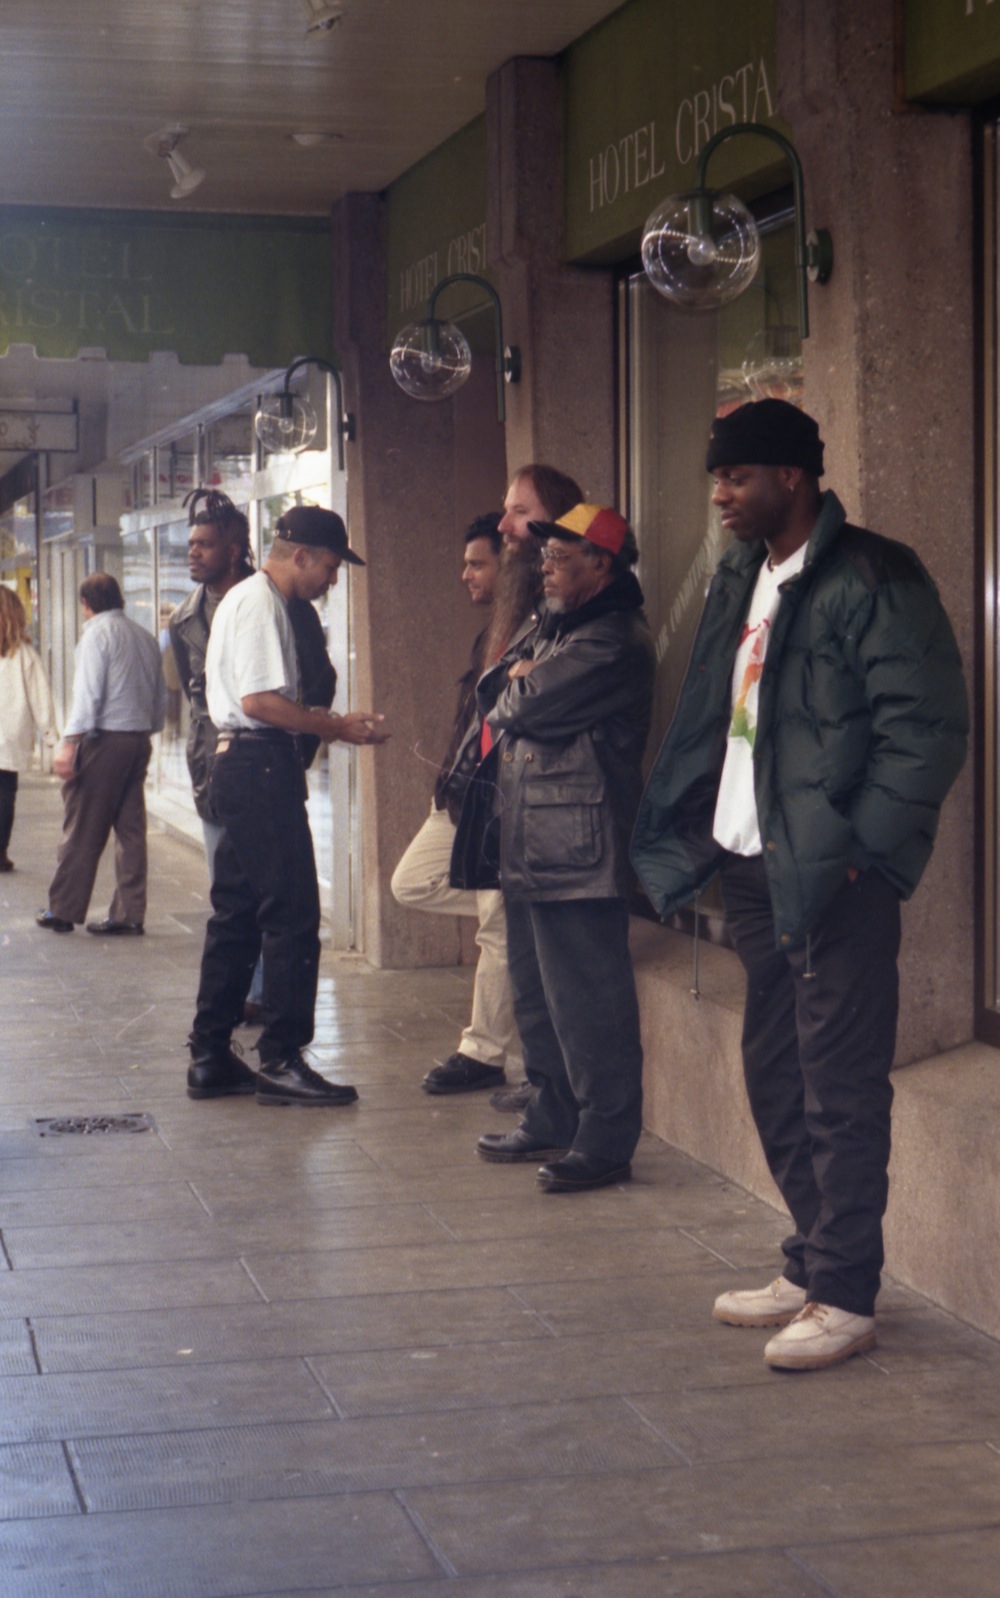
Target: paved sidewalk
[(257, 1351)]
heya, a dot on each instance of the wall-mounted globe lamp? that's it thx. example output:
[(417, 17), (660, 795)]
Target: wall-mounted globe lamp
[(286, 422), (700, 249), (431, 359)]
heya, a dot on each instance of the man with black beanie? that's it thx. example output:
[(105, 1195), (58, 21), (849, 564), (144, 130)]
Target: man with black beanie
[(822, 721)]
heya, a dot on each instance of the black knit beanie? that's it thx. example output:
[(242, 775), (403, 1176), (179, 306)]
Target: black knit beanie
[(767, 432)]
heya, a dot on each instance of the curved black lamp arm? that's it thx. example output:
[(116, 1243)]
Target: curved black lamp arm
[(345, 421), (506, 361), (810, 259)]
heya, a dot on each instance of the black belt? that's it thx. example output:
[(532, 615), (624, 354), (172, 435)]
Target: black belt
[(258, 735)]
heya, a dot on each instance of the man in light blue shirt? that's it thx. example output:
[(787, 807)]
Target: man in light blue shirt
[(119, 700)]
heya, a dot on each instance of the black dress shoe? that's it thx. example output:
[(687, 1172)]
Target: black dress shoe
[(52, 923), (292, 1081), (218, 1074), (116, 929), (504, 1148), (575, 1173), (462, 1074)]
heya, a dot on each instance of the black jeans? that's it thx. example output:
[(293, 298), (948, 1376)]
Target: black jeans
[(264, 898), (818, 1043), (578, 1019), (8, 800)]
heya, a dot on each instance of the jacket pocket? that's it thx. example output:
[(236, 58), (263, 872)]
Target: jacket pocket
[(563, 823)]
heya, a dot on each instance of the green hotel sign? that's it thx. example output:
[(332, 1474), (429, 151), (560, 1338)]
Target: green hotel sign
[(134, 282), (435, 226), (952, 50), (644, 92)]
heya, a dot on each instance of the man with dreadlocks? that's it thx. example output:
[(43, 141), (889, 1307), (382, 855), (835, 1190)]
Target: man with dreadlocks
[(219, 557)]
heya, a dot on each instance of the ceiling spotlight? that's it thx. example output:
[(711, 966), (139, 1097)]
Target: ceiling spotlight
[(186, 178), (323, 14), (166, 144)]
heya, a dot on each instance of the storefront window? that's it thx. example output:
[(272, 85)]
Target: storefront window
[(139, 587), (220, 450), (681, 369)]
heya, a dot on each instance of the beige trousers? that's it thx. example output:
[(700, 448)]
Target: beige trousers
[(420, 882)]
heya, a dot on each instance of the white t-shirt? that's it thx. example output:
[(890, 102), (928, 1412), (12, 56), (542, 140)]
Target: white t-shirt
[(251, 650), (736, 827)]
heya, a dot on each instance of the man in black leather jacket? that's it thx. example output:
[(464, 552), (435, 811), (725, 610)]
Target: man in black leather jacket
[(569, 709)]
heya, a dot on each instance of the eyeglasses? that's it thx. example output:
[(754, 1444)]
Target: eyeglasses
[(554, 555)]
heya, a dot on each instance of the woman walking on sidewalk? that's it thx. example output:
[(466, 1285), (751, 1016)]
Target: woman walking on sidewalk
[(26, 708)]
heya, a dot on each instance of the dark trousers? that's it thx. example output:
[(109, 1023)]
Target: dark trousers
[(107, 794), (8, 799), (818, 1042), (578, 1020), (264, 899)]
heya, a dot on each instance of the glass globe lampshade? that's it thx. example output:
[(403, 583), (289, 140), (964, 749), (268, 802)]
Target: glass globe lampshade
[(430, 360), (772, 365), (700, 249), (285, 424)]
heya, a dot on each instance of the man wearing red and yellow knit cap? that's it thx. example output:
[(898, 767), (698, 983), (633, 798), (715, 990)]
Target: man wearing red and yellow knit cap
[(569, 709)]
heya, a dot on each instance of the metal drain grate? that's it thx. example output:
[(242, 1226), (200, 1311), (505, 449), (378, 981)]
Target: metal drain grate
[(87, 1125)]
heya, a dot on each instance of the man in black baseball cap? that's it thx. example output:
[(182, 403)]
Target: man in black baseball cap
[(316, 528), (265, 897)]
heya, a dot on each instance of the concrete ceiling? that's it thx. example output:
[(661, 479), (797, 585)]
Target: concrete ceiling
[(84, 82)]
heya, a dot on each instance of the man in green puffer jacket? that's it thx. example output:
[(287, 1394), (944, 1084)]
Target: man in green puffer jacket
[(821, 723)]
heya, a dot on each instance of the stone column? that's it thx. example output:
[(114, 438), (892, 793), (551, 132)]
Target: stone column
[(562, 317), (890, 370), (417, 474)]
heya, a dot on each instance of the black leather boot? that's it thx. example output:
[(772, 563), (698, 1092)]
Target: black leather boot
[(216, 1073)]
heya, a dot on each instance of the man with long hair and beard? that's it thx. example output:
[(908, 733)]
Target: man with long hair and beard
[(421, 880)]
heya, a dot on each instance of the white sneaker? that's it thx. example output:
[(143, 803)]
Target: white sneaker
[(820, 1335), (774, 1305)]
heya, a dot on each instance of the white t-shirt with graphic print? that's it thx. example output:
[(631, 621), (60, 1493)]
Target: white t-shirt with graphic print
[(736, 826)]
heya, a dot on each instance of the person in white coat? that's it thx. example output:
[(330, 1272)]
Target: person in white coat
[(26, 710)]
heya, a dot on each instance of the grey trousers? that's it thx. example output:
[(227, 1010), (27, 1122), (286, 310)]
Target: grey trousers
[(105, 795)]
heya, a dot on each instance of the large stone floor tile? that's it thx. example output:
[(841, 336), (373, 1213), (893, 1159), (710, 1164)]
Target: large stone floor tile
[(854, 1409), (717, 1508), (753, 1575), (106, 1403), (98, 1289), (704, 1209), (229, 1551), (960, 1565), (97, 1203), (200, 1236), (255, 1330), (638, 1303), (513, 1442), (35, 1480), (495, 1263), (401, 1380)]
